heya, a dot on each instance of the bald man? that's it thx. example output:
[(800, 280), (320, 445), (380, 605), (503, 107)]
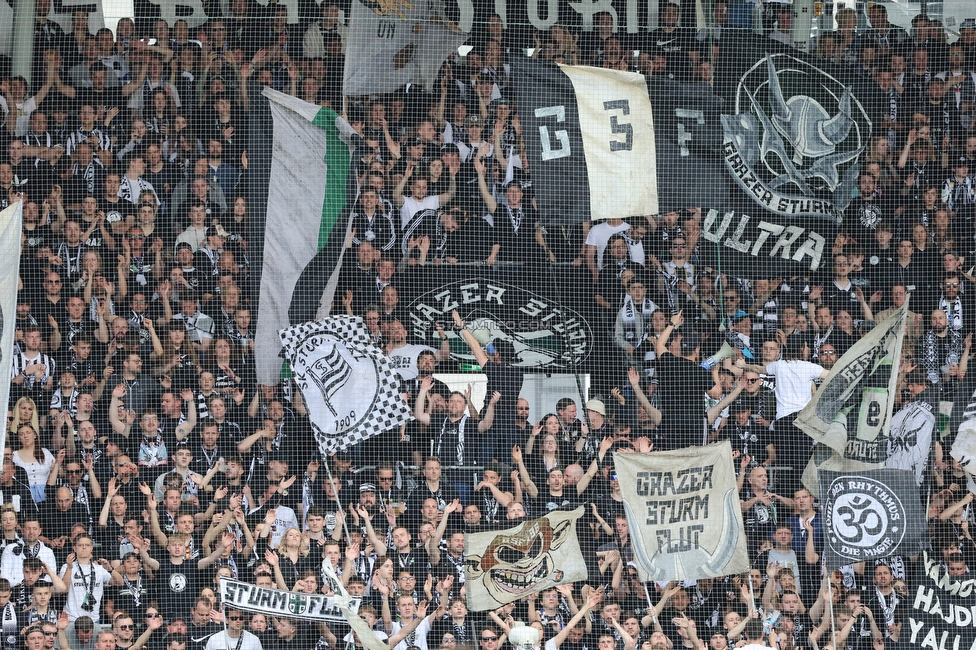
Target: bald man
[(58, 514)]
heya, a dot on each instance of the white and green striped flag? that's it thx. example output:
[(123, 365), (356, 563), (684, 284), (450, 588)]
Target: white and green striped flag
[(307, 196)]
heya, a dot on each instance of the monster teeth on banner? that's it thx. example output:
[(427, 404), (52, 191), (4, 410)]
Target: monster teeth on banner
[(502, 567)]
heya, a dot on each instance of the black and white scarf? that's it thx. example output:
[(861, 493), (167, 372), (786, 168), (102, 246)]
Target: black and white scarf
[(628, 315)]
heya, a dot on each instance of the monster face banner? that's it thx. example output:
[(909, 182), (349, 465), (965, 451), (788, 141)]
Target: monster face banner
[(503, 566), (683, 511)]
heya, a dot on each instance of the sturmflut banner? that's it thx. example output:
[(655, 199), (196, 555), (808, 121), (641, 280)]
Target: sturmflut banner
[(684, 514), (503, 566), (941, 612), (275, 602), (870, 515)]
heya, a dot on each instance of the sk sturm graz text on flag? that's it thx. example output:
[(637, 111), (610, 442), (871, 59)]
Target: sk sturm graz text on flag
[(350, 389), (506, 565)]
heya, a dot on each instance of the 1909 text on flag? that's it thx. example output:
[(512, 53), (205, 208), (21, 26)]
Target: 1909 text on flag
[(684, 514), (349, 386)]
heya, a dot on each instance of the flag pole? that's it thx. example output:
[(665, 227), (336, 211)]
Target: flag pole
[(752, 593), (830, 603), (335, 495), (651, 605)]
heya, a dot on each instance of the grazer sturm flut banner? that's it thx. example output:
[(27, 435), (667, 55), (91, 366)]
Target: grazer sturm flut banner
[(871, 515), (350, 389), (941, 612), (10, 229), (503, 566), (589, 132), (684, 514), (545, 333), (275, 602), (851, 411)]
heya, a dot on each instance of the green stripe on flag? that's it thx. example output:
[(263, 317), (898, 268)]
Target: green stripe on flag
[(336, 170)]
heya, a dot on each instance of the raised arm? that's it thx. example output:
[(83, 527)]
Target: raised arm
[(480, 357), (419, 406), (661, 345), (489, 414)]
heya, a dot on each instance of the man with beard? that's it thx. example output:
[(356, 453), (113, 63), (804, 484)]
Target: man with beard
[(450, 445), (405, 358), (759, 507), (942, 349)]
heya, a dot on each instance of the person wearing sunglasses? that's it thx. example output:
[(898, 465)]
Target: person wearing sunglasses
[(234, 636)]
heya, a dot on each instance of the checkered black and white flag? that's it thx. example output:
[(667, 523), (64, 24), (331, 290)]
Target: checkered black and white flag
[(350, 389)]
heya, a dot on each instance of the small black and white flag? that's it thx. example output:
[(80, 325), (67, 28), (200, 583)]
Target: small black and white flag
[(588, 132), (870, 515), (350, 389)]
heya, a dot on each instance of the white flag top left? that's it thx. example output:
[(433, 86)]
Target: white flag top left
[(684, 514), (350, 389), (395, 43), (10, 229)]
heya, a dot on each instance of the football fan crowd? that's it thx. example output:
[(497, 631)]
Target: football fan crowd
[(144, 461)]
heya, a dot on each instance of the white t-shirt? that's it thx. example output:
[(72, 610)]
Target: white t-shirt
[(794, 381), (420, 636), (24, 110), (412, 206), (285, 519), (404, 359), (599, 236), (80, 582), (222, 641)]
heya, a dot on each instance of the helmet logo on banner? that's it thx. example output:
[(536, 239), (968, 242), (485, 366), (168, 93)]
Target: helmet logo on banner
[(794, 142)]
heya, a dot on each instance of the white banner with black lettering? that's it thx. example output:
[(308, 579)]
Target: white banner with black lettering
[(275, 602), (10, 229), (684, 514)]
